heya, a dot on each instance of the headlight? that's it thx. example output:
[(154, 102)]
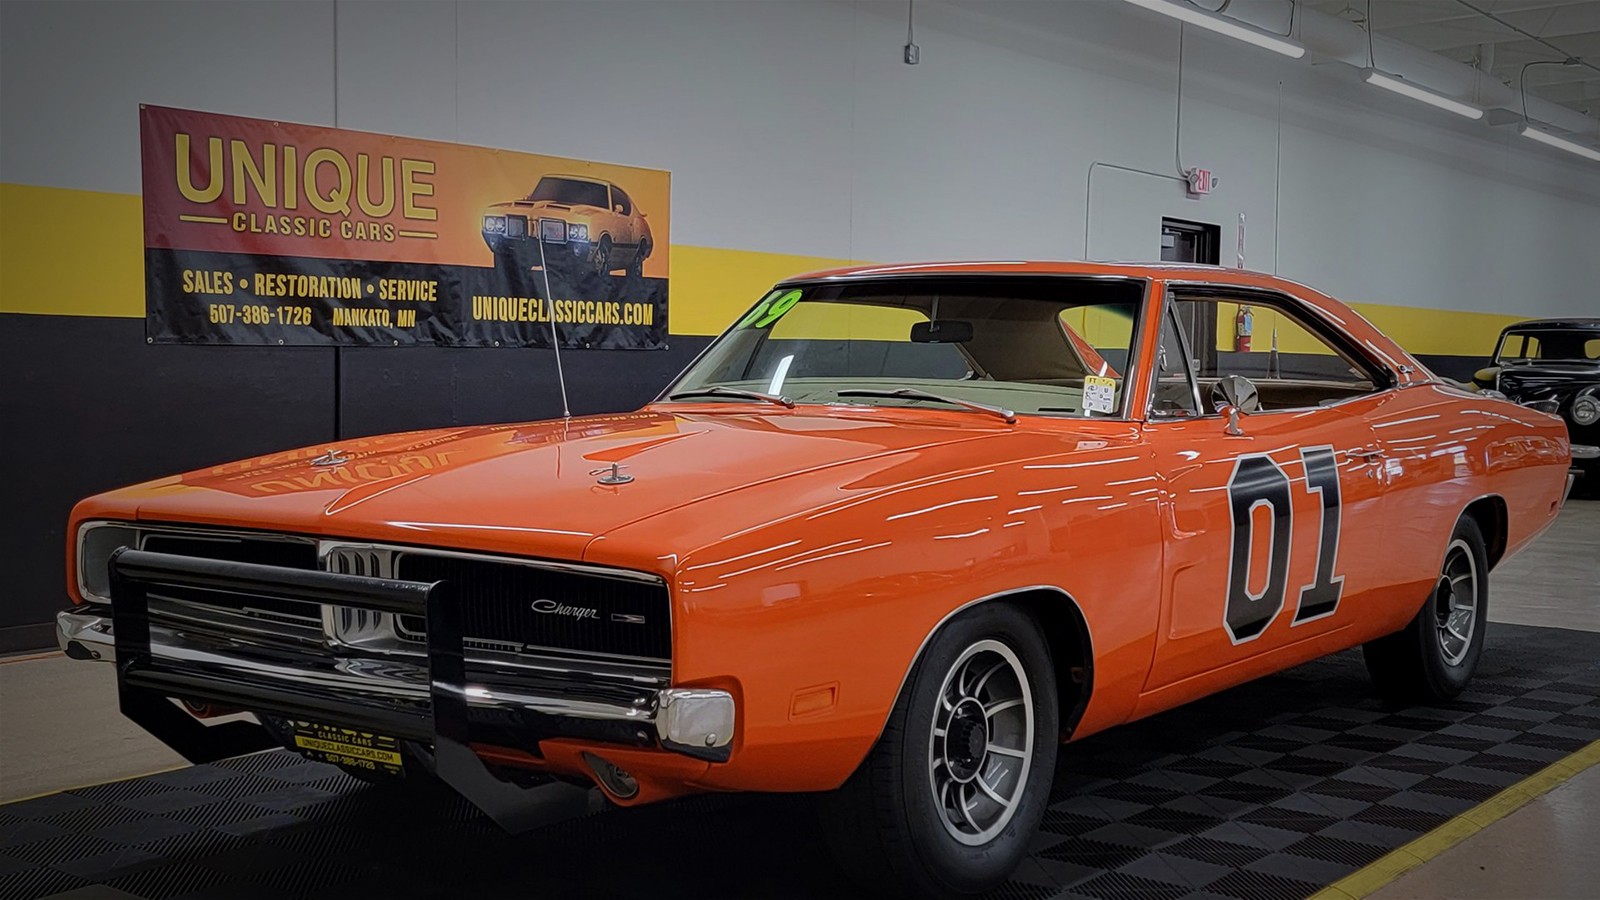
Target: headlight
[(579, 233), (1586, 409), (96, 542), (494, 224)]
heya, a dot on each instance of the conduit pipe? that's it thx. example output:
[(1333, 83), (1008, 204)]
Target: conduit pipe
[(1333, 39)]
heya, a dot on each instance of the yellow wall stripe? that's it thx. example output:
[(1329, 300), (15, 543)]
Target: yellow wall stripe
[(67, 252), (70, 253), (1380, 872)]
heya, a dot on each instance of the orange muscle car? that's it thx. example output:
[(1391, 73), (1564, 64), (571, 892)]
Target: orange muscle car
[(893, 537), (570, 223)]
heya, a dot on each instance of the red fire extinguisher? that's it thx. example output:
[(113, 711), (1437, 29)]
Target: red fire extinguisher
[(1243, 325)]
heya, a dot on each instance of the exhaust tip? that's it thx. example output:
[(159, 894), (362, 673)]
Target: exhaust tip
[(615, 780)]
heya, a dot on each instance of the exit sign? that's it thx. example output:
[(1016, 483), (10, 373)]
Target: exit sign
[(1201, 182)]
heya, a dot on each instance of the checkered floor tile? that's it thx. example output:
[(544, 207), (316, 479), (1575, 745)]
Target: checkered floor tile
[(1273, 789)]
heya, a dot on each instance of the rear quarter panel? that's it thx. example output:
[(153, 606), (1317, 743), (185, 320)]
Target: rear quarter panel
[(1447, 448)]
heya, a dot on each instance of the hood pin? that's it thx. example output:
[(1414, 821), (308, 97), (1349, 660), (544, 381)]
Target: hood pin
[(612, 474)]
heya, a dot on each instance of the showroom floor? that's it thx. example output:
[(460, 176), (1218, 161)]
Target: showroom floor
[(1277, 788)]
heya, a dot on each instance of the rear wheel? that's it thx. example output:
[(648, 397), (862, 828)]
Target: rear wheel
[(1434, 657), (636, 268), (948, 800)]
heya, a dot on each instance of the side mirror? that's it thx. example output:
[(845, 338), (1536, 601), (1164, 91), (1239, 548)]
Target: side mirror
[(1232, 429), (1236, 391), (1486, 377)]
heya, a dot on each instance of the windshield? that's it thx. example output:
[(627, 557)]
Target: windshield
[(570, 190), (1526, 346), (1029, 344)]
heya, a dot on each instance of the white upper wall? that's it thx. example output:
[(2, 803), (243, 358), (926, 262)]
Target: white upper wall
[(794, 127)]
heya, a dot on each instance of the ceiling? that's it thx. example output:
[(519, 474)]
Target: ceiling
[(1508, 33)]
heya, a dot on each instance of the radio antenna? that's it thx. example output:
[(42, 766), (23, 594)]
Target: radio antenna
[(555, 338)]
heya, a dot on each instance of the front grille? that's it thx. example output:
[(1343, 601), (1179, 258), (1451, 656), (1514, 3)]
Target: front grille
[(263, 549), (501, 602)]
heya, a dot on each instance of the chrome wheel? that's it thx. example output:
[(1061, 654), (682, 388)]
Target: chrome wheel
[(981, 746), (1455, 602)]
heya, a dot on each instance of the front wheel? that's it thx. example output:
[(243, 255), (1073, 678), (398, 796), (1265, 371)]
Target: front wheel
[(1434, 657), (949, 798)]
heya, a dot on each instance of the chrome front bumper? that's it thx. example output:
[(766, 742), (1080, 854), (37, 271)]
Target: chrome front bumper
[(696, 722), (1585, 451)]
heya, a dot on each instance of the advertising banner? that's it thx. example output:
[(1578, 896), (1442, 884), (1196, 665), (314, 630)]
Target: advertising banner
[(261, 232)]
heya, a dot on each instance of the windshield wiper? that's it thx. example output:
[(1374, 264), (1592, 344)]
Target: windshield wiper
[(733, 392), (914, 394)]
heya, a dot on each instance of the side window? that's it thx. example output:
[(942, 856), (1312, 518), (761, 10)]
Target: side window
[(1291, 364), (1173, 395), (620, 198)]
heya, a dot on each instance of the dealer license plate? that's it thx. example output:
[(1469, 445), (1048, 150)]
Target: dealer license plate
[(349, 747)]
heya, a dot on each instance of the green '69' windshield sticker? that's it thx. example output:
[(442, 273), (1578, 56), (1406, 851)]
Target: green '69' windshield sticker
[(771, 309)]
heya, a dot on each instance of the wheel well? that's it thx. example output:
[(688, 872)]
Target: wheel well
[(1067, 634), (1490, 514)]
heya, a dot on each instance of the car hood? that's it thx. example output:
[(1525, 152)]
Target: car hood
[(524, 206), (544, 485)]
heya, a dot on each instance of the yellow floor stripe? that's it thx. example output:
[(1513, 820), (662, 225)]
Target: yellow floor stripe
[(79, 787), (1365, 881)]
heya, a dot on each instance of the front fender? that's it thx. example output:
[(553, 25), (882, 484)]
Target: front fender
[(818, 612)]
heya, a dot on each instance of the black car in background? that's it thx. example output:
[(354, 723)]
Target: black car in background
[(1554, 364)]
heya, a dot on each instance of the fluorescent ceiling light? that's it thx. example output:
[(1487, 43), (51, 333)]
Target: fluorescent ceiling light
[(1223, 25), (1405, 88), (1545, 137)]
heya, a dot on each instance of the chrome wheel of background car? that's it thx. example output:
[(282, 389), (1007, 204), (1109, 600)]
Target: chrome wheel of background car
[(602, 257), (1455, 602), (982, 742)]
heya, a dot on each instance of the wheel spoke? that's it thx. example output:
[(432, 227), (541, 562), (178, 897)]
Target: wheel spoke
[(1007, 751), (966, 811), (978, 688), (991, 793), (1002, 706)]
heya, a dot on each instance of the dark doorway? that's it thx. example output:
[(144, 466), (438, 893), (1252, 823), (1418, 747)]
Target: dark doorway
[(1190, 242), (1194, 242)]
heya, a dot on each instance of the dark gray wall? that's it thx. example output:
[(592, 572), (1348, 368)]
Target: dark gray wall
[(89, 406)]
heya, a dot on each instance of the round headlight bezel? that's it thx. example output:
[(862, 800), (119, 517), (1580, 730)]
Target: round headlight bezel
[(1585, 409)]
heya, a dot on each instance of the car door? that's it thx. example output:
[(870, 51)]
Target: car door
[(1271, 519), (623, 233)]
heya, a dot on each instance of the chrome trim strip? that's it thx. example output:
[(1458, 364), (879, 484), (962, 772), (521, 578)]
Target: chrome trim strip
[(999, 595), (1584, 451), (327, 546)]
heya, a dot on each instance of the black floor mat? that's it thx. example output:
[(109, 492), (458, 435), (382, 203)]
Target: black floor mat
[(1273, 789)]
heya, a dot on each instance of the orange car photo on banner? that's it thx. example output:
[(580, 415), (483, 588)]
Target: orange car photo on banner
[(260, 232)]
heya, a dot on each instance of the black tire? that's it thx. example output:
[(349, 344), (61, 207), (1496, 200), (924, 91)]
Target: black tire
[(636, 268), (1425, 661), (886, 825), (601, 258)]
